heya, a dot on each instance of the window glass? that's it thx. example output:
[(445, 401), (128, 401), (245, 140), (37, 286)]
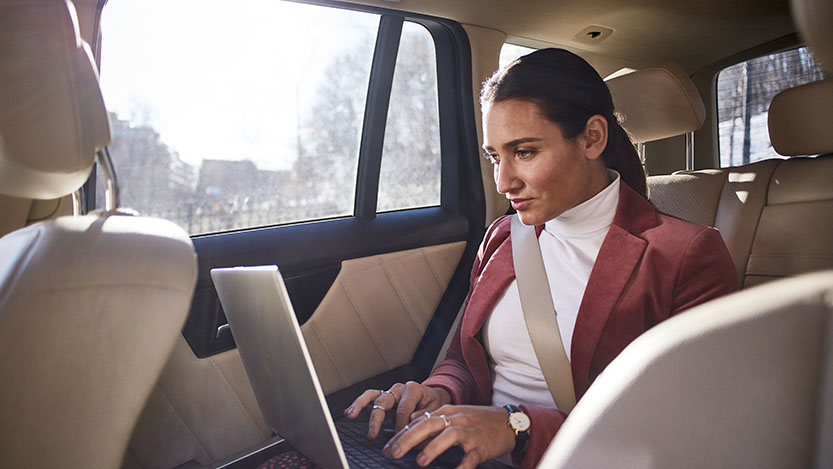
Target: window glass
[(226, 118), (510, 52), (410, 173), (744, 92)]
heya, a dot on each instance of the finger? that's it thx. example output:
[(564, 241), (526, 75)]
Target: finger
[(441, 410), (470, 460), (419, 431), (446, 438), (410, 397), (360, 403), (387, 399), (374, 423)]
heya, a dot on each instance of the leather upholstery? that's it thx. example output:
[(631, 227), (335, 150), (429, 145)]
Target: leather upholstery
[(800, 120), (774, 215), (200, 410), (52, 115), (796, 226), (81, 345), (657, 103), (732, 383), (352, 336), (692, 196)]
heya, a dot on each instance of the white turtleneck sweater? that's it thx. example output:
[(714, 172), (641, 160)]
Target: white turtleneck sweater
[(569, 246)]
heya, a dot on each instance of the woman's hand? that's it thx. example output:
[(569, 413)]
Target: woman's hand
[(408, 400), (482, 432)]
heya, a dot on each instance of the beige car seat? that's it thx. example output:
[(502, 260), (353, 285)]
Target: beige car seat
[(738, 382), (90, 306)]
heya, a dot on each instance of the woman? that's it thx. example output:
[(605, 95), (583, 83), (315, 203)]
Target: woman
[(616, 267)]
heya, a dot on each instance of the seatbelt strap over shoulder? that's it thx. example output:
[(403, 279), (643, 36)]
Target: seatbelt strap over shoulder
[(540, 315)]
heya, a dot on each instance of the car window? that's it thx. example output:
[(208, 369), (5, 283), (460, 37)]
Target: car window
[(250, 127), (410, 173), (510, 52), (744, 92)]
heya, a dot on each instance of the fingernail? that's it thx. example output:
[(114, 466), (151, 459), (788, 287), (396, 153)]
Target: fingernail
[(421, 459), (348, 410)]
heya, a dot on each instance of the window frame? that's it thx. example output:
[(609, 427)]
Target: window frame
[(455, 106), (779, 46)]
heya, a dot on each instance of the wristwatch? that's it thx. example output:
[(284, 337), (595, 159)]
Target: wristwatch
[(519, 422)]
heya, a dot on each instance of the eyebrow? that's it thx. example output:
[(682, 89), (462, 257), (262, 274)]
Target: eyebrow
[(516, 142)]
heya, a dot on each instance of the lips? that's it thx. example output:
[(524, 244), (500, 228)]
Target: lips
[(520, 204)]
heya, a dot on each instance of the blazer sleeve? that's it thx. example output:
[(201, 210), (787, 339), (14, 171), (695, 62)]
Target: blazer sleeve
[(453, 374), (706, 272), (544, 424)]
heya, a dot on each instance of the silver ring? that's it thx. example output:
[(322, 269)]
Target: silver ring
[(395, 399), (379, 407), (446, 421), (427, 414), (407, 427)]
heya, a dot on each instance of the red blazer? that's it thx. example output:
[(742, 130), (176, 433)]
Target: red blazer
[(650, 266)]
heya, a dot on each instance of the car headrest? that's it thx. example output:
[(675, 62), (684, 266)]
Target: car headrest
[(813, 19), (52, 114), (800, 120), (657, 103)]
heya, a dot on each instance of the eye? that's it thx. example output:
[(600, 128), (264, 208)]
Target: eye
[(493, 158), (524, 154)]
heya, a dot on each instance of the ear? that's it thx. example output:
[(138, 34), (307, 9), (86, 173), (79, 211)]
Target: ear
[(594, 138)]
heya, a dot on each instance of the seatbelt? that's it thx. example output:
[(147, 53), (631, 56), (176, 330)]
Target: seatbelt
[(540, 314)]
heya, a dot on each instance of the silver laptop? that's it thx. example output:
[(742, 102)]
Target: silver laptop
[(277, 361), (282, 375)]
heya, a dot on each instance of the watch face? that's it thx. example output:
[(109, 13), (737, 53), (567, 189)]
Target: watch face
[(519, 421)]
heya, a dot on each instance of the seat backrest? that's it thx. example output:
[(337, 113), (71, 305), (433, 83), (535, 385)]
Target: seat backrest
[(735, 382), (657, 102), (776, 216), (90, 306)]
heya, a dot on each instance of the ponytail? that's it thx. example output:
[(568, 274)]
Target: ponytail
[(620, 155)]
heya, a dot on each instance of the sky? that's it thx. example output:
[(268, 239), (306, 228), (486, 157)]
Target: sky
[(219, 82)]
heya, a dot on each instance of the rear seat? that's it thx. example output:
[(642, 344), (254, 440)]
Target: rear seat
[(776, 216)]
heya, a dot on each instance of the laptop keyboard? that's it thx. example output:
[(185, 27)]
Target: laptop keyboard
[(367, 454)]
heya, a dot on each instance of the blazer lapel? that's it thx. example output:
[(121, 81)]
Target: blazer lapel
[(618, 257)]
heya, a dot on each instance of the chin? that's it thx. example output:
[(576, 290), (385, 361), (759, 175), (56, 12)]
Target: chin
[(531, 219)]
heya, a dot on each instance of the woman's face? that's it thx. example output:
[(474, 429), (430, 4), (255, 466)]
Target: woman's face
[(535, 167)]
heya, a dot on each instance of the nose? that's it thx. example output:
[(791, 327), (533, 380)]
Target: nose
[(506, 179)]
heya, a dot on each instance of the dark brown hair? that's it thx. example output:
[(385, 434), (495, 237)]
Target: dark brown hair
[(568, 91)]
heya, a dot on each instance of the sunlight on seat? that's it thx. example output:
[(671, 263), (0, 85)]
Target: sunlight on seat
[(742, 195)]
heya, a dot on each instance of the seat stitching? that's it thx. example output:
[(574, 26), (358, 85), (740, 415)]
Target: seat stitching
[(234, 394), (187, 427), (437, 276), (312, 328), (364, 323), (396, 289)]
